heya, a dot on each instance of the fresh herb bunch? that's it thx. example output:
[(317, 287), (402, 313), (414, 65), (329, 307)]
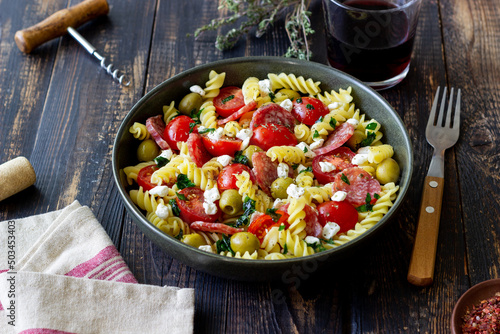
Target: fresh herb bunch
[(261, 14)]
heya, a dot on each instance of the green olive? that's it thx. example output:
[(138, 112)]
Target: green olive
[(193, 239), (190, 102), (230, 202), (249, 151), (244, 242), (387, 171), (279, 186), (147, 150)]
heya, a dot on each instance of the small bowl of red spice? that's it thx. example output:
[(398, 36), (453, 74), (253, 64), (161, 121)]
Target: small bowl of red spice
[(478, 309)]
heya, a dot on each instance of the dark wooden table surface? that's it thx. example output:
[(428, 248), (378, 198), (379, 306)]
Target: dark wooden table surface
[(61, 111)]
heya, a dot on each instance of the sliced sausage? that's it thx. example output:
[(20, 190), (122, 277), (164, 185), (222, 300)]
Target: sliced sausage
[(337, 138), (156, 127), (272, 113), (357, 183)]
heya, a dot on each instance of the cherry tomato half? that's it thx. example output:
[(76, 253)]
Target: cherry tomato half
[(227, 177), (192, 206), (178, 130), (308, 110), (270, 134), (223, 146), (264, 223), (340, 158), (342, 213), (229, 100), (144, 177)]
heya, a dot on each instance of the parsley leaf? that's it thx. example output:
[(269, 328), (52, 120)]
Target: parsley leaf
[(224, 245), (180, 235), (316, 134), (367, 206), (227, 99), (184, 182), (175, 209), (310, 106), (345, 179), (206, 130), (299, 100), (305, 149), (308, 169), (192, 126), (272, 96), (161, 161), (295, 166), (240, 158), (285, 249), (249, 208), (320, 119), (282, 227), (275, 216), (333, 122), (371, 126), (368, 140), (181, 197)]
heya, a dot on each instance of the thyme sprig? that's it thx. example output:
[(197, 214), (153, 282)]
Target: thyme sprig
[(261, 14)]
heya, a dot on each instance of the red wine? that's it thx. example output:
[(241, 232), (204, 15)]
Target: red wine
[(372, 46)]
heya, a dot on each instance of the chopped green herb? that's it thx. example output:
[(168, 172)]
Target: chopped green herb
[(249, 208), (367, 206), (329, 241), (285, 248), (272, 212), (240, 158), (272, 96), (371, 126), (227, 99), (308, 169), (377, 196), (184, 182), (316, 134), (317, 246), (224, 245), (345, 179), (305, 149), (180, 235), (333, 122), (310, 106), (282, 227), (368, 140), (195, 114), (295, 166), (181, 197), (299, 100), (206, 130), (192, 126), (320, 119), (161, 161), (175, 209)]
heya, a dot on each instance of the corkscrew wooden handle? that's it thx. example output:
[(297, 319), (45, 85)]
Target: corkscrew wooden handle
[(57, 24)]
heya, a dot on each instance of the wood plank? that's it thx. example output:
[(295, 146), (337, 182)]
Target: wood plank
[(472, 46)]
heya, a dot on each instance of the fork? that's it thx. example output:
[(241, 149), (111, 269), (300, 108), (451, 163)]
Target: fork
[(441, 137)]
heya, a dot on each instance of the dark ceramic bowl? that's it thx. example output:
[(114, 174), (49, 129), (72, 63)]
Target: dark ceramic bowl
[(237, 70), (470, 298)]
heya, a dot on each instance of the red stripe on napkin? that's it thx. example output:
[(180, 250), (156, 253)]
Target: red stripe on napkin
[(105, 263)]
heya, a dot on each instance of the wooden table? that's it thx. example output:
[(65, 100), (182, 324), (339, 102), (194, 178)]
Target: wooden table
[(60, 110)]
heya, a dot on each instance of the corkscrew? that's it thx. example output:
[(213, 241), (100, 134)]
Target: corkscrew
[(65, 21)]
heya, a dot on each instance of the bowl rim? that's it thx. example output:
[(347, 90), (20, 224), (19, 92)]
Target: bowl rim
[(321, 256), (460, 306)]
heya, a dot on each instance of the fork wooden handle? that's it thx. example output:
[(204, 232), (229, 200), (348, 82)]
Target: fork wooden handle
[(423, 258), (56, 24)]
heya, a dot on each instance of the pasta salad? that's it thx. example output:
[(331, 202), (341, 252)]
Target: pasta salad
[(274, 169)]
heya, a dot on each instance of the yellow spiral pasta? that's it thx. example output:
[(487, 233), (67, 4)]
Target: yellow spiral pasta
[(144, 200), (293, 244), (290, 81), (169, 172), (208, 115), (304, 179), (213, 85), (289, 154), (139, 131), (232, 128), (376, 154), (302, 133), (251, 90), (132, 171), (201, 178), (342, 97), (171, 225), (318, 194), (169, 112), (296, 216)]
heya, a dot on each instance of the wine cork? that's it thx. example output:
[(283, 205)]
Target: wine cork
[(15, 175)]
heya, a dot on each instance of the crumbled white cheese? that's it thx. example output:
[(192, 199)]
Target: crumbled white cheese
[(201, 128), (211, 194), (278, 202), (162, 211), (317, 144), (161, 191), (294, 191), (363, 150), (359, 159), (197, 89), (255, 215), (210, 208), (244, 134), (283, 170), (301, 168), (224, 160), (287, 104), (167, 154), (206, 248), (354, 122), (330, 230), (265, 87), (339, 196), (333, 106), (326, 166), (217, 134), (311, 240), (306, 149)]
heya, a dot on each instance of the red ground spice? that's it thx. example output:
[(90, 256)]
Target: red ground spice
[(484, 317)]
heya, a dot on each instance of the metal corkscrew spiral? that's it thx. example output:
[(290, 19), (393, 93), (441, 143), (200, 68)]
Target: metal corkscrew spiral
[(115, 73)]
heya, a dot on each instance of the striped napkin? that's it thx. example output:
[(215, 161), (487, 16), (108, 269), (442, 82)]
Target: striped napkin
[(60, 273)]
